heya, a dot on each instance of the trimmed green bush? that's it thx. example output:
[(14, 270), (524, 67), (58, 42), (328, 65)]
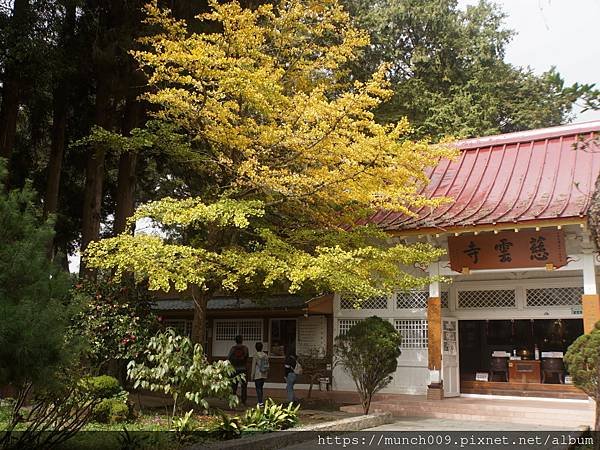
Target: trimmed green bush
[(111, 410), (103, 386)]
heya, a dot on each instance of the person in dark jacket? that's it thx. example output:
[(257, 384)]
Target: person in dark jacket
[(238, 357), (291, 367)]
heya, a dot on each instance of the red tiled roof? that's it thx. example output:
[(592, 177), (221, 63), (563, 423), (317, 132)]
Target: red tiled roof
[(510, 178)]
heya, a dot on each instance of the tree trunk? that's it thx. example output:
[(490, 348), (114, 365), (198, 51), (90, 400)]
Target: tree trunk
[(126, 181), (200, 299), (59, 120), (11, 89), (94, 176), (8, 114), (57, 147)]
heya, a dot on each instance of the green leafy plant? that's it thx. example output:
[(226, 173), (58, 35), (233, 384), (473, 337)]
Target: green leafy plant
[(270, 417), (369, 353), (226, 427), (583, 363), (177, 367)]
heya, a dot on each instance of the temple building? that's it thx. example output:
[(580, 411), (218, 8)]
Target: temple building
[(520, 273)]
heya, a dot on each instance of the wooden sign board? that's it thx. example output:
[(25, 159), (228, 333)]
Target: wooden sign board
[(508, 250)]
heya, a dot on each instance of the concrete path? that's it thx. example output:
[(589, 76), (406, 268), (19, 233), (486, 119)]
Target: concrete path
[(436, 424), (419, 424)]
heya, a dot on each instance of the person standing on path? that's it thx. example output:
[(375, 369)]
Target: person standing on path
[(260, 371), (238, 357), (292, 370)]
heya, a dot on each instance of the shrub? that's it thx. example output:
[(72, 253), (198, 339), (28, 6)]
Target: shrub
[(369, 353), (111, 410), (116, 321), (582, 361), (114, 406), (102, 386)]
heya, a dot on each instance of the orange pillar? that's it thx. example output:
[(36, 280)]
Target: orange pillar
[(591, 311), (435, 389), (590, 300)]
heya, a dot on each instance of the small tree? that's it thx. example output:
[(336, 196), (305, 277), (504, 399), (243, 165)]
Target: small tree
[(369, 353), (314, 366), (582, 360), (179, 368)]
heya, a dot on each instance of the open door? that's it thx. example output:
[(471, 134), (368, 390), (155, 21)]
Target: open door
[(450, 365)]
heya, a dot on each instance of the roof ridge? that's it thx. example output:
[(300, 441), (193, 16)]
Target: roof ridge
[(529, 135)]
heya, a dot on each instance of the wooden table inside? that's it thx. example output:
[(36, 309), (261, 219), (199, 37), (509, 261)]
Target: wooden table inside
[(524, 371)]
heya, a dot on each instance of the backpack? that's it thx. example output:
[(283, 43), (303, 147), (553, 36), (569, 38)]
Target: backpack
[(238, 356), (298, 368), (263, 364)]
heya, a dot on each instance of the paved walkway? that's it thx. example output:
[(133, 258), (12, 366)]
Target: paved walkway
[(436, 424), (424, 424)]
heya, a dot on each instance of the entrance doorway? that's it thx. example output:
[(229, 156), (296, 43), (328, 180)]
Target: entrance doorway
[(517, 357)]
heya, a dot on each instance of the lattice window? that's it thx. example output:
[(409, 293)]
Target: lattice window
[(500, 298), (182, 327), (345, 324), (412, 300), (349, 301), (562, 296), (444, 299), (414, 333), (250, 330)]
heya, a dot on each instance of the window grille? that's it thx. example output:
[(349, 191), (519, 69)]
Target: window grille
[(414, 333), (349, 301), (250, 330), (501, 298), (345, 324), (412, 300), (444, 299), (562, 296), (182, 327)]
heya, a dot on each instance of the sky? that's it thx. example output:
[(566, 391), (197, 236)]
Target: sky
[(561, 33)]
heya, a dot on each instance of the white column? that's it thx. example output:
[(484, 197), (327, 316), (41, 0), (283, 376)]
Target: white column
[(589, 274), (434, 286)]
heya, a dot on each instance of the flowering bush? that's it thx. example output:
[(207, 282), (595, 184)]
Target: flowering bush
[(116, 320)]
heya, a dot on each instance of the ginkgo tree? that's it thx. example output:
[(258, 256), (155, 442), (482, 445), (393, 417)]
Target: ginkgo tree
[(287, 160)]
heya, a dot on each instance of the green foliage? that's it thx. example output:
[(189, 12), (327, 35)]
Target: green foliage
[(102, 386), (111, 410), (116, 320), (267, 418), (369, 353), (448, 71), (114, 405), (270, 417), (583, 362), (34, 303), (226, 427), (175, 366)]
